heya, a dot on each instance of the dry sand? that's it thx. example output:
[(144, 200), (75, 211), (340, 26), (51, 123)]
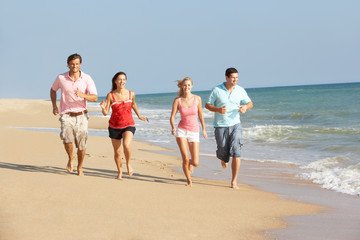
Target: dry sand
[(40, 200)]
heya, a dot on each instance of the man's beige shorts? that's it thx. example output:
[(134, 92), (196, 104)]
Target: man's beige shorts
[(74, 129)]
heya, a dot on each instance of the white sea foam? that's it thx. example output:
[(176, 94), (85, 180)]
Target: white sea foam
[(273, 161), (39, 129), (335, 173), (207, 154), (159, 141), (269, 133), (94, 105)]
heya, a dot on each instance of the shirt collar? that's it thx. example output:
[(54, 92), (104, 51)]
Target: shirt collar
[(68, 75), (224, 87)]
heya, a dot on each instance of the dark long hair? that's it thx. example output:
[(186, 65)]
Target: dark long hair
[(114, 79)]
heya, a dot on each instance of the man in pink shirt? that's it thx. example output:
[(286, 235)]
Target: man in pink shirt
[(77, 88)]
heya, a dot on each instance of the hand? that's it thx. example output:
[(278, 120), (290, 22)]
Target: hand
[(243, 108), (144, 119), (55, 110), (79, 93), (173, 131), (204, 133), (103, 104), (222, 110)]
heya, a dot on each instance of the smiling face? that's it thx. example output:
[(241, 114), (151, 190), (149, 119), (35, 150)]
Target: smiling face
[(120, 81), (74, 65), (187, 86), (232, 80)]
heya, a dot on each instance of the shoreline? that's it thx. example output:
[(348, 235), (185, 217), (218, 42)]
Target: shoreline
[(99, 169)]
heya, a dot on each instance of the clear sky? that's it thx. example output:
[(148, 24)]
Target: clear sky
[(270, 42)]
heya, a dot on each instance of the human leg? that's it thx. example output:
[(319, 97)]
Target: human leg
[(81, 134), (117, 155), (67, 135), (80, 155), (194, 151), (235, 166), (182, 143), (127, 139), (222, 152), (235, 152), (69, 151)]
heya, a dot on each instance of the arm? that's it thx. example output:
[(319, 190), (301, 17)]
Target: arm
[(175, 108), (212, 108), (105, 106), (201, 117), (134, 106), (53, 101), (244, 108), (88, 97)]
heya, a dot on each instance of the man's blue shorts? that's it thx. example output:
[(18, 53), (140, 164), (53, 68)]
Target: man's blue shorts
[(228, 140)]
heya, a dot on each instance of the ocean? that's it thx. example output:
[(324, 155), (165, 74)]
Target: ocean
[(315, 127)]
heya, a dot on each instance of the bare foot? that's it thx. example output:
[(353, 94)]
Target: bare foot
[(223, 164), (189, 184), (80, 171), (69, 167), (119, 176), (130, 170), (234, 186)]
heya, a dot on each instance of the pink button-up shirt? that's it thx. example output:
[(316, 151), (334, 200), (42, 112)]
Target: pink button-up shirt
[(69, 102)]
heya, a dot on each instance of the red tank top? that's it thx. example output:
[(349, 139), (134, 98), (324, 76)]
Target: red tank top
[(121, 116)]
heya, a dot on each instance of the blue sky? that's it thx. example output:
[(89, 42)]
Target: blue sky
[(271, 43)]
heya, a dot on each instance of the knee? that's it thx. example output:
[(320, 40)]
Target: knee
[(117, 153), (127, 147), (186, 161)]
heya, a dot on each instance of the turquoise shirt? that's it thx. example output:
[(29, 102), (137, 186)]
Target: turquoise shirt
[(220, 97)]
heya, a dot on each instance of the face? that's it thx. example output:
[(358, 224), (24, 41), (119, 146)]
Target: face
[(232, 79), (120, 81), (74, 65), (187, 85)]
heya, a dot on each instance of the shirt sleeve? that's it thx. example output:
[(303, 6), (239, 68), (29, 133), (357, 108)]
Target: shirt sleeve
[(56, 84), (212, 97), (91, 88), (245, 99)]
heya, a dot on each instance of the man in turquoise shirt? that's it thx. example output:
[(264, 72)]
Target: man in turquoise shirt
[(227, 100)]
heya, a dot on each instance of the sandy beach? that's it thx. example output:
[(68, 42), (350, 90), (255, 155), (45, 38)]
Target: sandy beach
[(40, 200)]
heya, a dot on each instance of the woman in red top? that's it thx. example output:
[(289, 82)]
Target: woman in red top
[(121, 123)]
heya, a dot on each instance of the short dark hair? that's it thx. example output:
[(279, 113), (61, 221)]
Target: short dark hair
[(74, 56), (230, 71), (114, 79)]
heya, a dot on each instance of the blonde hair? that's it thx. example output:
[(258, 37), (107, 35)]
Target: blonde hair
[(180, 84)]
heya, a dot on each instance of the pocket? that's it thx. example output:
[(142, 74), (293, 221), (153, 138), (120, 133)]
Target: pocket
[(61, 118)]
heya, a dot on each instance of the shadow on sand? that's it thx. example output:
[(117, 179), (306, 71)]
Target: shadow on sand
[(102, 173)]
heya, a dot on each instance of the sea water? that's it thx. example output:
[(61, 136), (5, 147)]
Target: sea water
[(316, 127)]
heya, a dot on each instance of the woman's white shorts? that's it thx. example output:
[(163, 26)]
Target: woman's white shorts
[(191, 136)]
